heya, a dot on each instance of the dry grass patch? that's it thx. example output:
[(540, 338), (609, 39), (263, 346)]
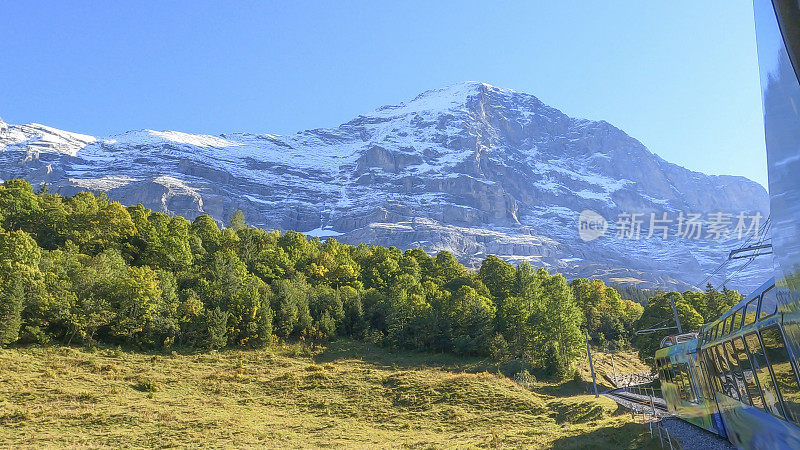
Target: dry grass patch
[(348, 395)]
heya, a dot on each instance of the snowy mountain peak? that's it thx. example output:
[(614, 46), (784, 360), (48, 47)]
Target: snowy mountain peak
[(152, 137), (469, 168), (35, 138)]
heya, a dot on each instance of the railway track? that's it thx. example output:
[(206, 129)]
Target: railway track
[(638, 403)]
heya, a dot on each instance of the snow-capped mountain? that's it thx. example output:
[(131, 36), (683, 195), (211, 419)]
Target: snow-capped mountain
[(470, 168)]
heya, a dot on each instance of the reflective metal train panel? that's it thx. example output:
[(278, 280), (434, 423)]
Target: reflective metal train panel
[(778, 41), (744, 366)]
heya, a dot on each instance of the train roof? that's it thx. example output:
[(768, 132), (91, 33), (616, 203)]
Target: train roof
[(754, 294)]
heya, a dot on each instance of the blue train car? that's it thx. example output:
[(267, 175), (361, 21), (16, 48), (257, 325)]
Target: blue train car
[(751, 370), (737, 377)]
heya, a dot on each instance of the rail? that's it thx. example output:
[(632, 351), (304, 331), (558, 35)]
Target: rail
[(647, 407)]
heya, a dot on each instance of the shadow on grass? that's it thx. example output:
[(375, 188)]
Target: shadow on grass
[(627, 436), (563, 389), (346, 349), (570, 388)]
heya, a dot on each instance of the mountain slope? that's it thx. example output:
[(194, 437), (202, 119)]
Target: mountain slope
[(469, 168)]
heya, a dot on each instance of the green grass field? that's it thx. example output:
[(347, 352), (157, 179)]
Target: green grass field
[(349, 394)]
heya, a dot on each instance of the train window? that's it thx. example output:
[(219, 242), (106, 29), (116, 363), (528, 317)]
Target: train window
[(759, 363), (750, 312), (684, 382), (675, 375), (688, 388), (701, 391), (769, 303), (692, 388), (781, 365), (720, 369), (748, 377), (678, 380), (711, 370), (715, 371), (723, 327), (737, 319), (735, 373), (726, 375)]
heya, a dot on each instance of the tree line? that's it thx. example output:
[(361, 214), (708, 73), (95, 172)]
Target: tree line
[(85, 269)]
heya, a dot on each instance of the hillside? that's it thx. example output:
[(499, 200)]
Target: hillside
[(349, 394), (470, 168)]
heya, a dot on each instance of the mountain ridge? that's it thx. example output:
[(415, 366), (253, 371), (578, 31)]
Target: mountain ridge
[(470, 168)]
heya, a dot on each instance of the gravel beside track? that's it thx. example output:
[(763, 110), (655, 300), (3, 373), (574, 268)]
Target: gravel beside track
[(689, 436), (692, 437)]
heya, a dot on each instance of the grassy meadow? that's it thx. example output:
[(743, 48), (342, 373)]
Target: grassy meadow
[(349, 394)]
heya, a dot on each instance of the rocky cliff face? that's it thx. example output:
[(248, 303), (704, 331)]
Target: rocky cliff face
[(470, 168)]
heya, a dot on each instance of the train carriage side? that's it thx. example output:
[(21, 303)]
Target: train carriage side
[(750, 370)]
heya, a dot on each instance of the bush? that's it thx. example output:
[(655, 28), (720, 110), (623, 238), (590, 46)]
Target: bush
[(147, 386), (524, 379), (216, 322), (498, 347)]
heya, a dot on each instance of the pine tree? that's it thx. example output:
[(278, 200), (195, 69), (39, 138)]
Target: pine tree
[(237, 221)]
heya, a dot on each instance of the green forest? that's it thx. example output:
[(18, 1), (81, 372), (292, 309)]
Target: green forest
[(85, 270)]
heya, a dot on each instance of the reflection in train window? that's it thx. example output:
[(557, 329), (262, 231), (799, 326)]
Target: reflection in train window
[(689, 390), (750, 312), (713, 370), (763, 377), (704, 380), (728, 388), (714, 366), (722, 368), (749, 377), (737, 319), (781, 365), (686, 388), (735, 373), (769, 303), (679, 381)]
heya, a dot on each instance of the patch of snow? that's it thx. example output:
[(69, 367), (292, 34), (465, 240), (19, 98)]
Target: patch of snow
[(105, 183), (322, 233), (198, 140), (176, 186)]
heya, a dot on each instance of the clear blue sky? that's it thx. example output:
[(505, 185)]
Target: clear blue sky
[(681, 76)]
